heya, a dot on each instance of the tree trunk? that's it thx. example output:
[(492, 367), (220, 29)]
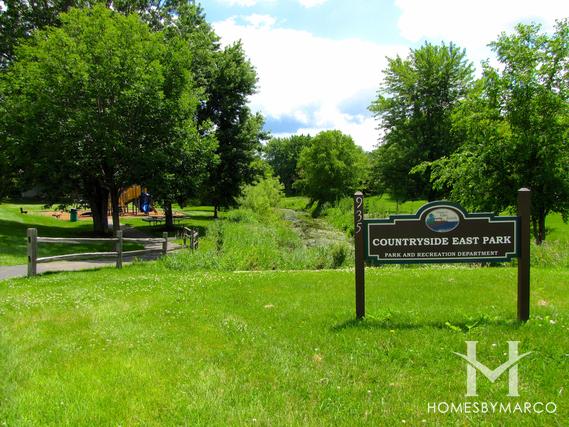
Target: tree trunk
[(534, 227), (169, 220), (541, 227), (114, 193), (215, 209), (98, 202)]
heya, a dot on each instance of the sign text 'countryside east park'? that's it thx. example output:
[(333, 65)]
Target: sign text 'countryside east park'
[(442, 232)]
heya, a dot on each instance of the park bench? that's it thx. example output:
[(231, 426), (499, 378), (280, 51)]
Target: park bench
[(153, 220)]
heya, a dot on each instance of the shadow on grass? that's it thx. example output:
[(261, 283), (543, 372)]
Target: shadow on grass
[(13, 234), (13, 239), (18, 229), (386, 323)]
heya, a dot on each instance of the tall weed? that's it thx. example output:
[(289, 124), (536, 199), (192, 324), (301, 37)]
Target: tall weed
[(245, 240)]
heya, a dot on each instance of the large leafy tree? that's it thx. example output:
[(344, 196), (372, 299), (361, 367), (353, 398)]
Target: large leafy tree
[(283, 154), (330, 167), (89, 102), (225, 76), (516, 127), (238, 131), (414, 107)]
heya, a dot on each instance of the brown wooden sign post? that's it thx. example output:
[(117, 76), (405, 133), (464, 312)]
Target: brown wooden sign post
[(442, 232), (359, 250), (524, 212)]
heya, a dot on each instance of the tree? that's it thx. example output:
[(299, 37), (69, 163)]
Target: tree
[(390, 172), (282, 154), (224, 75), (183, 168), (330, 167), (91, 101), (19, 18), (516, 127), (238, 131), (414, 108)]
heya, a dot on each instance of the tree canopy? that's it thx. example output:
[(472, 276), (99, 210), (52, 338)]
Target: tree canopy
[(173, 83), (91, 101), (331, 166), (238, 131), (516, 128), (414, 107), (283, 154)]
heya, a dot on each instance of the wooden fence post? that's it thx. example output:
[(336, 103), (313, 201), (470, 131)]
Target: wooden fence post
[(165, 244), (32, 251), (524, 212), (185, 239), (192, 239), (119, 248)]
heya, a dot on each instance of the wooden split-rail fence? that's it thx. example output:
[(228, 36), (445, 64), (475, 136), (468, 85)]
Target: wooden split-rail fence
[(192, 236), (34, 240)]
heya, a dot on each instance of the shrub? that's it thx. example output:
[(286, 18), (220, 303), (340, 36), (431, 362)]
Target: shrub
[(262, 197)]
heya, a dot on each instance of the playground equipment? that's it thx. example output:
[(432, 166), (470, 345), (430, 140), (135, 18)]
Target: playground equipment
[(130, 200), (145, 205)]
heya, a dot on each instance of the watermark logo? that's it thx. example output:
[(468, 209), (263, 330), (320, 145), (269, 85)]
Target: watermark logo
[(511, 365), (492, 407)]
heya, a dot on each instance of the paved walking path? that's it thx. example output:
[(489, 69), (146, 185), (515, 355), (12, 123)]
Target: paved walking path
[(22, 270)]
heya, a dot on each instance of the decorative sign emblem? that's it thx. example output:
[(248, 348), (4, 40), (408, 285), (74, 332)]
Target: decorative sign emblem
[(441, 232), (442, 220)]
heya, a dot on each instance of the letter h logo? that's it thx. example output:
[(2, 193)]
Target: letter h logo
[(474, 364)]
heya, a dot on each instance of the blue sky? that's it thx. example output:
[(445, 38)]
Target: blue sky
[(325, 20), (320, 62)]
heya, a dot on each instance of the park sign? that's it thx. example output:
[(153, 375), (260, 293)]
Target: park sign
[(443, 232)]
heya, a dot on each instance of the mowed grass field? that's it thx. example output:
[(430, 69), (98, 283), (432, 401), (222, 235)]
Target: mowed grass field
[(147, 345)]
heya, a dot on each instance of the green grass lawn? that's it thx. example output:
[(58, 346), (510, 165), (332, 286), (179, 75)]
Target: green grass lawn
[(150, 346), (13, 225)]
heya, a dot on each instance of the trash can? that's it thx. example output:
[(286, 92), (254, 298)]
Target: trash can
[(73, 215)]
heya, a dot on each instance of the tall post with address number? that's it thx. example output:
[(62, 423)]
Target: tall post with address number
[(524, 212), (359, 252)]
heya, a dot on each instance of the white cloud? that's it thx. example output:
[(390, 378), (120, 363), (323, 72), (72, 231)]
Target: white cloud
[(312, 3), (474, 24), (362, 129), (308, 77), (260, 21)]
